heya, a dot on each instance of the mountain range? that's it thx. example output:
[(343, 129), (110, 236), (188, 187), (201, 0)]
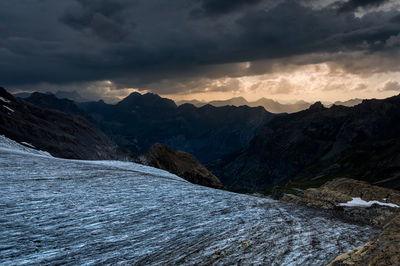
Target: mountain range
[(208, 132), (71, 95), (269, 104)]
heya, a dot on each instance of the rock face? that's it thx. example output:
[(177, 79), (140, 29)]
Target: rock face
[(385, 250), (342, 190), (60, 134), (182, 164), (320, 144)]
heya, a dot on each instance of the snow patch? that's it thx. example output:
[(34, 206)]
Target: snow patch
[(9, 145), (28, 144), (4, 100), (8, 108), (358, 202)]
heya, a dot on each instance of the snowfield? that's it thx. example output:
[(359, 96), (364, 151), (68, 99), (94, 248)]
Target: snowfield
[(58, 211)]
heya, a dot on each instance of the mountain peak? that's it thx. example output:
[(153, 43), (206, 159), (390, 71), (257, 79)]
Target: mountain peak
[(317, 106), (148, 100)]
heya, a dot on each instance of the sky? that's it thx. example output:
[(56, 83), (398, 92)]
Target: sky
[(203, 49)]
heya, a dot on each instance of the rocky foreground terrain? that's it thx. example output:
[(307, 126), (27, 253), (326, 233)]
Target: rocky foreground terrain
[(358, 201), (60, 211), (385, 250)]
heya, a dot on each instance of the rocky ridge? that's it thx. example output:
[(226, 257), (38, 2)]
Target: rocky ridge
[(182, 164)]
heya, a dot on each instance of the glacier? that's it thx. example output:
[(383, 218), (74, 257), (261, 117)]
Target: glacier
[(58, 211)]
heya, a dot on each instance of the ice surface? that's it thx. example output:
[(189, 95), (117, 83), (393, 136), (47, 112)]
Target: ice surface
[(57, 211), (358, 202)]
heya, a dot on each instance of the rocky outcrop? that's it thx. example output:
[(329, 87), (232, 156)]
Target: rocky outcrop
[(385, 250), (181, 164), (341, 190), (60, 134)]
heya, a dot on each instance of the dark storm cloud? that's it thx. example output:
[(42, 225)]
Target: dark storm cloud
[(154, 42), (395, 19), (218, 7), (391, 86), (103, 18), (352, 5)]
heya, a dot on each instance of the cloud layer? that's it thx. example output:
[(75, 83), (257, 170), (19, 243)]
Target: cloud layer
[(176, 46)]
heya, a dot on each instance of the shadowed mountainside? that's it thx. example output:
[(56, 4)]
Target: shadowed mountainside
[(208, 132), (60, 134), (312, 146), (52, 102)]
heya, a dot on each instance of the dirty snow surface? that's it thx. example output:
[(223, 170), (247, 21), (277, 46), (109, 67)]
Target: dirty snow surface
[(57, 211)]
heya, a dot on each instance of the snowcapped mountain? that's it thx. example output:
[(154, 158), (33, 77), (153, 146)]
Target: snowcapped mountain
[(57, 211)]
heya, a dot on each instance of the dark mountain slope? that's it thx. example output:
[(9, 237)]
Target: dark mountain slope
[(318, 144), (50, 101), (138, 121), (182, 164), (61, 134)]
